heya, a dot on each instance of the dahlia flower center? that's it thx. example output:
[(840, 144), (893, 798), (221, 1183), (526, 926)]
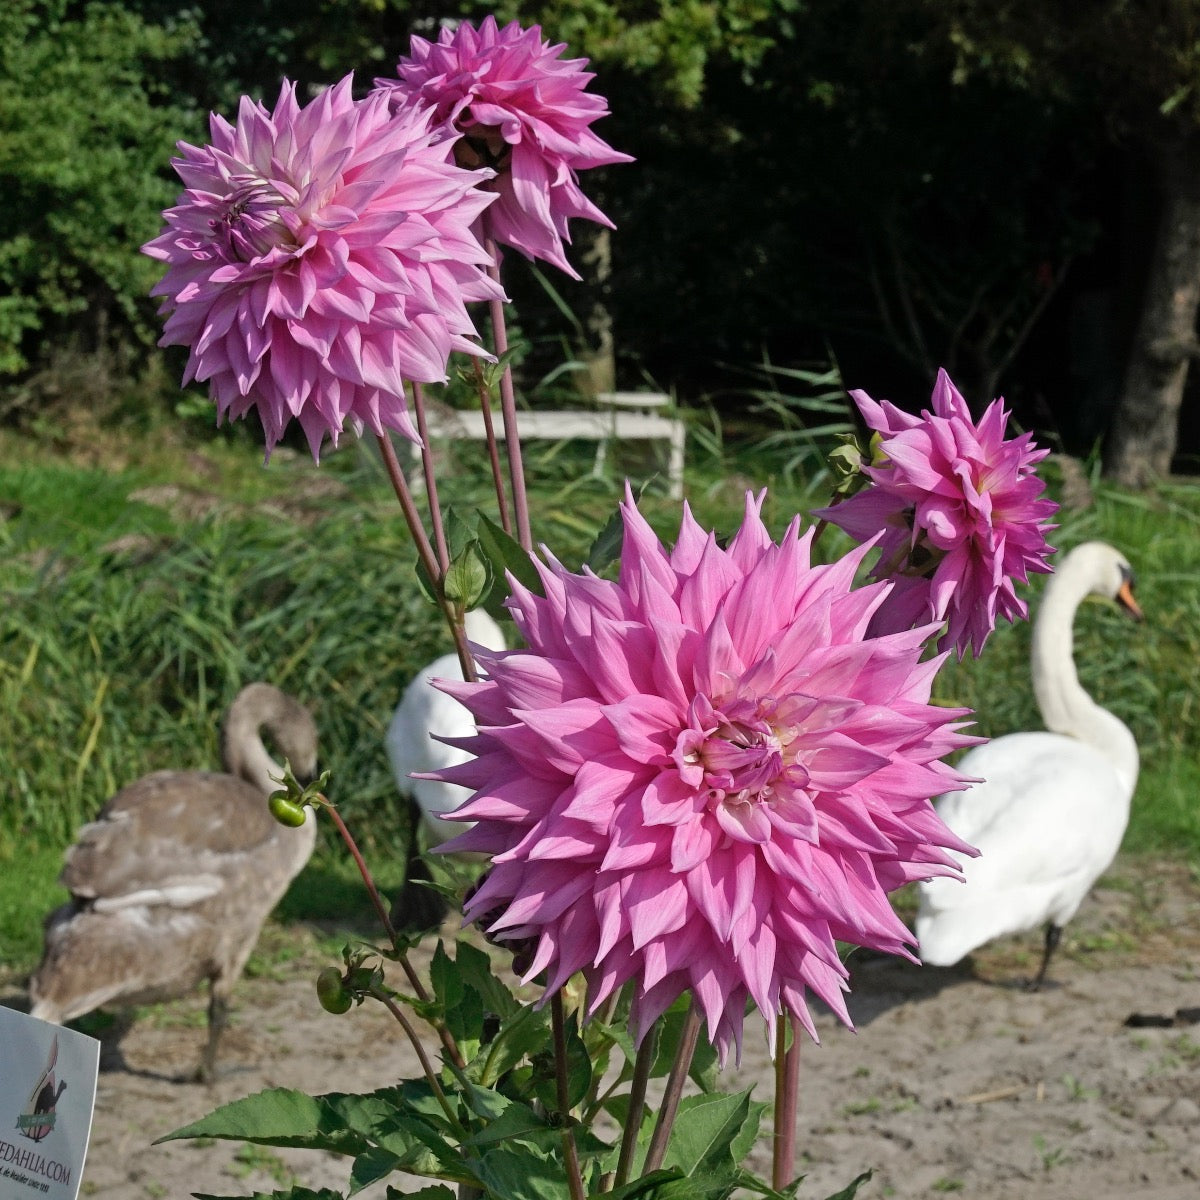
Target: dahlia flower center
[(917, 556), (481, 145), (252, 224), (739, 757)]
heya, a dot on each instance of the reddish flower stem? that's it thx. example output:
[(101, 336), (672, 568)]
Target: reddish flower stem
[(674, 1090), (485, 406), (414, 980), (787, 1102), (637, 1106), (570, 1153), (508, 401), (423, 1058), (435, 509), (425, 552)]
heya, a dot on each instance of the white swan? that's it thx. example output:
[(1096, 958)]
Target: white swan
[(1051, 810), (424, 715), (171, 884)]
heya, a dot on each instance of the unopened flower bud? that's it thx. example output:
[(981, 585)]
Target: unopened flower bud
[(285, 810), (331, 991)]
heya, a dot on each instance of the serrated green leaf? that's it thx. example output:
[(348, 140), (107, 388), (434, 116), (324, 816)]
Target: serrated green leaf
[(524, 1033), (425, 583), (371, 1166), (505, 554), (579, 1073), (515, 1122), (520, 1174), (851, 1189), (278, 1117), (606, 547), (460, 532), (295, 1193), (705, 1130), (437, 1191), (645, 1188), (474, 967), (444, 978)]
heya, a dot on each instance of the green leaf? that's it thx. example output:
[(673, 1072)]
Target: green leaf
[(704, 1062), (505, 554), (524, 1033), (520, 1173), (279, 1117), (606, 548), (579, 1073), (437, 1191), (851, 1189), (672, 1184), (372, 1166), (444, 978), (706, 1130), (460, 533), (426, 584), (295, 1193), (474, 968), (515, 1122)]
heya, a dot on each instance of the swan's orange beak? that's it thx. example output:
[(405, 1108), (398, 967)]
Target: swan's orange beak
[(1127, 602)]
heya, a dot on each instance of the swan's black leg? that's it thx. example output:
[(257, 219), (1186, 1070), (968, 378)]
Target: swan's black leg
[(417, 908), (1053, 934), (218, 1018)]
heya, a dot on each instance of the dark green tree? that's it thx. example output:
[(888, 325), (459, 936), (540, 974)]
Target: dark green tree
[(1137, 66), (86, 131)]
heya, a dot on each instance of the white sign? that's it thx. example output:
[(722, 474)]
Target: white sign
[(47, 1094)]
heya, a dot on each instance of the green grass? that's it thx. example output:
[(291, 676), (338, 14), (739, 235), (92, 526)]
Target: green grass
[(125, 629), (1148, 673)]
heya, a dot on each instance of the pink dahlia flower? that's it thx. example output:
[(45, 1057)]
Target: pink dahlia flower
[(702, 776), (521, 109), (318, 258), (960, 512)]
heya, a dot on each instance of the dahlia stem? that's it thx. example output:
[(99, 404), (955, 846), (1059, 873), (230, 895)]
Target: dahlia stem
[(642, 1065), (485, 406), (426, 1066), (675, 1081), (819, 529), (508, 400), (570, 1153), (435, 509), (414, 980), (787, 1101), (425, 553)]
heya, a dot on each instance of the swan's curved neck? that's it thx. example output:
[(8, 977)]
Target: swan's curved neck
[(1065, 707), (246, 755)]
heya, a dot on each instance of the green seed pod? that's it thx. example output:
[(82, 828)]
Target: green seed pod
[(331, 992), (286, 811)]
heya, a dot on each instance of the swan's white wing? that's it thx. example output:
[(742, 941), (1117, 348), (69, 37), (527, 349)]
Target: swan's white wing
[(1047, 820), (424, 714)]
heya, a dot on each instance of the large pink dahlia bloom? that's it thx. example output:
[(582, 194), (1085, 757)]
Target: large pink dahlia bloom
[(318, 258), (961, 515), (700, 776), (521, 109)]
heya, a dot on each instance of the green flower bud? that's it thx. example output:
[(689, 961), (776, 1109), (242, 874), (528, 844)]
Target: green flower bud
[(332, 992), (285, 810)]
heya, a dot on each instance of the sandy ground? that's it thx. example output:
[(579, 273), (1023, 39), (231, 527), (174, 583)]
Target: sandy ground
[(957, 1082)]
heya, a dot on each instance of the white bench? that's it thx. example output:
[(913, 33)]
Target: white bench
[(626, 416)]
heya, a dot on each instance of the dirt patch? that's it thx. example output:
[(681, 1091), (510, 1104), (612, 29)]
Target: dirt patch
[(957, 1081)]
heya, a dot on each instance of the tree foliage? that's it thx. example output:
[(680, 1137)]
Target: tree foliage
[(86, 129)]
